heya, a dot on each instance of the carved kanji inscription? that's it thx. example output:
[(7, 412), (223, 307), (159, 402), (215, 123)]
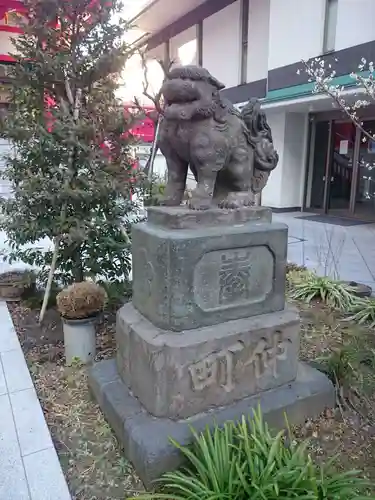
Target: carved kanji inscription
[(266, 354), (215, 369), (231, 278), (235, 274), (219, 368)]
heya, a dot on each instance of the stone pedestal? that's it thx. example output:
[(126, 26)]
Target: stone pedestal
[(207, 336), (202, 273)]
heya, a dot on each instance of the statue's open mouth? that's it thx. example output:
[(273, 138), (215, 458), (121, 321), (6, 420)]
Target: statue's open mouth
[(178, 103), (179, 110), (179, 92)]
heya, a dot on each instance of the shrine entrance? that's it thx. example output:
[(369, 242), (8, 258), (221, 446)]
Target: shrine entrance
[(342, 170)]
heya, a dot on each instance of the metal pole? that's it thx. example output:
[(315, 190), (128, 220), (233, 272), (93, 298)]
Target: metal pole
[(154, 150)]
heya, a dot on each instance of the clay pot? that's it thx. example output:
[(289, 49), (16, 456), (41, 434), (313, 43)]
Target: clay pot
[(13, 284)]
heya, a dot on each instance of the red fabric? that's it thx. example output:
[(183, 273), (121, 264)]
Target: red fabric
[(145, 130), (6, 58), (10, 29), (7, 5)]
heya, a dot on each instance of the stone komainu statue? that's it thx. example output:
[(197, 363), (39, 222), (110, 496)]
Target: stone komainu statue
[(230, 153)]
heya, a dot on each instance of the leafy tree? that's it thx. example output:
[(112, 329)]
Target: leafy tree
[(71, 167)]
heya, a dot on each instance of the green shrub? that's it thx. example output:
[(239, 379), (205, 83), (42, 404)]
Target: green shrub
[(306, 286), (118, 292), (291, 266), (154, 192), (246, 462)]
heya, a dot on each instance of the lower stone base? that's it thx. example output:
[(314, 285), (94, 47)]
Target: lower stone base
[(146, 438)]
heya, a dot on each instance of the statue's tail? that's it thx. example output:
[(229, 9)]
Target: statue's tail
[(259, 136)]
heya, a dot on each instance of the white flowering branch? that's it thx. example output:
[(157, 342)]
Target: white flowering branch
[(322, 76)]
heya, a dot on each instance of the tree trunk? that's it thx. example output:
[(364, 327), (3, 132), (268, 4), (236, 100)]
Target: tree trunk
[(78, 274), (47, 292)]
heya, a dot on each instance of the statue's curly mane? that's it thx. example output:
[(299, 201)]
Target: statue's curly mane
[(258, 134), (195, 73)]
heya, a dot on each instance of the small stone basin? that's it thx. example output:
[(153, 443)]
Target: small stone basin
[(361, 290)]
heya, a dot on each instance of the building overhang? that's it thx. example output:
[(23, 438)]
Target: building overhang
[(162, 20), (157, 14)]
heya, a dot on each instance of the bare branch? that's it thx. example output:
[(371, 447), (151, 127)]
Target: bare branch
[(157, 98), (69, 92)]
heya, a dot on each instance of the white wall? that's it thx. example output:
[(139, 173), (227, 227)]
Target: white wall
[(293, 167), (183, 47), (133, 76), (221, 44), (271, 194), (355, 23), (5, 186), (6, 45), (285, 185), (258, 37), (296, 30)]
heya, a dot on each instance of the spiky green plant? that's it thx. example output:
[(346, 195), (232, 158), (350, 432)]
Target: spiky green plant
[(246, 461), (340, 365), (364, 312), (307, 286)]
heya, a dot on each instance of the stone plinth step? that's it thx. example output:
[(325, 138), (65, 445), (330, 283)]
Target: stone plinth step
[(146, 439), (179, 374), (184, 218)]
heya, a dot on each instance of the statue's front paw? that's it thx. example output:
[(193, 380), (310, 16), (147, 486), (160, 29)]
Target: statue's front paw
[(237, 200), (230, 204), (198, 203)]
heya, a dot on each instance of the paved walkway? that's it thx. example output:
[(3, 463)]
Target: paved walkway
[(29, 466), (347, 253)]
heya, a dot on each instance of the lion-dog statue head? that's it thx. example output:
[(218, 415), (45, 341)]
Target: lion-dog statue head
[(191, 92)]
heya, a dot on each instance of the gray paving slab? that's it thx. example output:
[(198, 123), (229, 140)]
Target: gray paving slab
[(32, 430), (346, 253), (17, 374), (8, 336), (13, 484), (3, 387), (25, 472), (44, 476)]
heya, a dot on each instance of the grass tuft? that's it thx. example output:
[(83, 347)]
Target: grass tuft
[(307, 286), (364, 312), (247, 461)]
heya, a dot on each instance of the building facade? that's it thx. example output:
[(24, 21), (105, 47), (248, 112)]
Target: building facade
[(255, 47), (11, 12)]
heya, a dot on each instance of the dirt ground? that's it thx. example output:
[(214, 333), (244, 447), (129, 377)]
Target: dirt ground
[(89, 453)]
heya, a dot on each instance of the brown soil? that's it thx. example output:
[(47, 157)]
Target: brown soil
[(89, 453), (30, 333), (348, 431)]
